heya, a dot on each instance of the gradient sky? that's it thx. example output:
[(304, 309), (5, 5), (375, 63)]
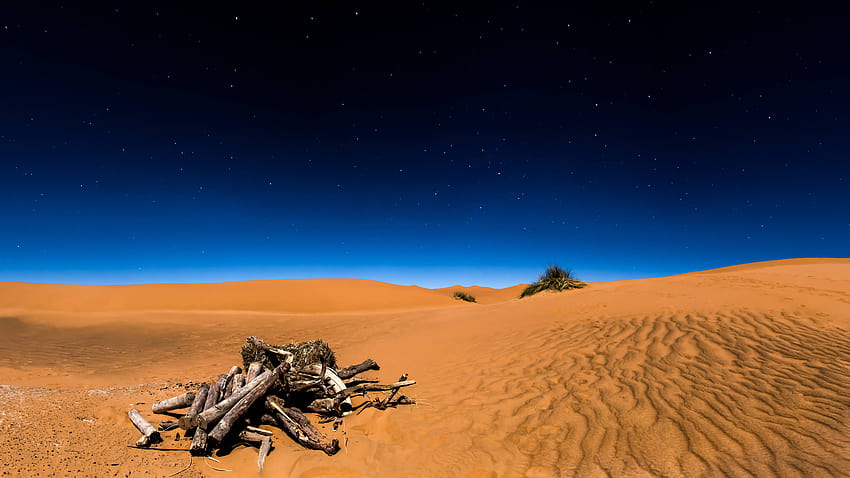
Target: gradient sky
[(417, 142)]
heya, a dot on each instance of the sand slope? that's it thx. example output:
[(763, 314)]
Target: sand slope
[(743, 371), (306, 295)]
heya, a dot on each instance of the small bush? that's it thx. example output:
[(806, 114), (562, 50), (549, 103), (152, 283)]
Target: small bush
[(459, 295), (555, 278)]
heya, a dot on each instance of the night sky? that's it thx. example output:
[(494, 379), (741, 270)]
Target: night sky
[(418, 142)]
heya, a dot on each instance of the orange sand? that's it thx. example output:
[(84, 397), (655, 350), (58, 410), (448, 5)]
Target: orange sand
[(741, 371)]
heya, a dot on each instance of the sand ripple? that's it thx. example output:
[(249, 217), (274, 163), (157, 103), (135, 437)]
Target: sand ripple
[(734, 394)]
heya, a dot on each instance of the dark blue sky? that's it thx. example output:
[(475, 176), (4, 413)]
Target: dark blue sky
[(417, 143)]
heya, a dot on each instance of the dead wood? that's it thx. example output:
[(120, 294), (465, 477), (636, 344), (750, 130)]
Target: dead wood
[(185, 421), (207, 417), (382, 405), (274, 405), (250, 436), (353, 370), (180, 401), (199, 441), (253, 370), (303, 422), (239, 381), (224, 425), (350, 382), (373, 387), (234, 384), (225, 381), (261, 431), (279, 382), (149, 433), (265, 448)]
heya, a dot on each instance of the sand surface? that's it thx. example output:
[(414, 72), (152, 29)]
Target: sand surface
[(742, 371)]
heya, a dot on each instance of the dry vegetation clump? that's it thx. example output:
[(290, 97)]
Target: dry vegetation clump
[(460, 295), (555, 278), (304, 353)]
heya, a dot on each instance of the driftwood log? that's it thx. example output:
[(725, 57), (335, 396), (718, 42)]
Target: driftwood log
[(254, 392), (275, 406), (210, 415), (254, 369), (353, 370), (149, 433), (225, 382), (173, 403), (199, 441), (185, 421)]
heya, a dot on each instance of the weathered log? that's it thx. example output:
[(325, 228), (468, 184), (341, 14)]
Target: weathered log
[(295, 414), (180, 401), (291, 427), (353, 370), (233, 384), (226, 381), (198, 404), (149, 433), (210, 415), (373, 387), (304, 422), (222, 428), (199, 441), (265, 448), (382, 405), (239, 381), (253, 370)]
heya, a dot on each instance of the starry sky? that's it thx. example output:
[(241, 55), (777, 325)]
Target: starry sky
[(425, 143)]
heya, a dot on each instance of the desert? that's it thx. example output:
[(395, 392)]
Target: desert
[(740, 371)]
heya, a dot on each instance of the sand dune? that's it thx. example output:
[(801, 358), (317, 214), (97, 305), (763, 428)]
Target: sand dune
[(284, 296), (742, 371)]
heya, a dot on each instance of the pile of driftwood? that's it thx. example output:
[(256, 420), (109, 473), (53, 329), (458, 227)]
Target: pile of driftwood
[(279, 384)]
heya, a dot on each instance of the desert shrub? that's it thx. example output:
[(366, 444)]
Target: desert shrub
[(460, 295), (555, 278)]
